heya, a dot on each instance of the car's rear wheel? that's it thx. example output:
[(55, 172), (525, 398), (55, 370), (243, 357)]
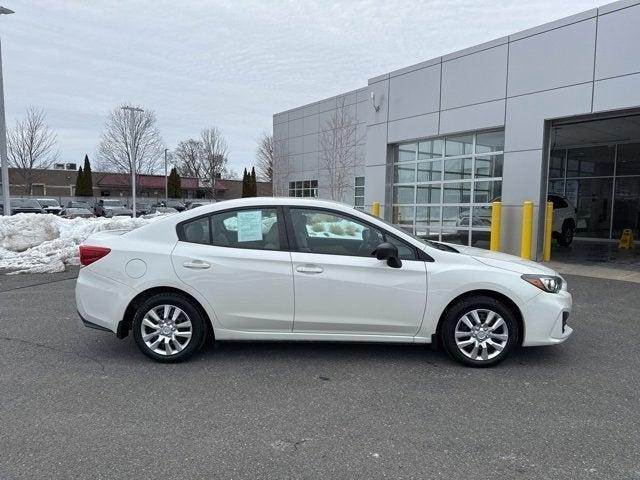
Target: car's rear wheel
[(167, 327), (566, 235), (479, 331)]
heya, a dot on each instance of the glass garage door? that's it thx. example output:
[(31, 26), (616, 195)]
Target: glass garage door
[(603, 183), (442, 188)]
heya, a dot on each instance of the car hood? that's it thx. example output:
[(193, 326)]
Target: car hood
[(504, 261)]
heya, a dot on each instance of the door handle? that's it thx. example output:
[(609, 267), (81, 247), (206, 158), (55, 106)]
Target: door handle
[(309, 269), (196, 265)]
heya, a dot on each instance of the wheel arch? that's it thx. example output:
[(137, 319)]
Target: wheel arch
[(508, 302), (124, 327)]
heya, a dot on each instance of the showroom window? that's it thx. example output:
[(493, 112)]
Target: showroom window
[(358, 198), (303, 188), (443, 187), (603, 184)]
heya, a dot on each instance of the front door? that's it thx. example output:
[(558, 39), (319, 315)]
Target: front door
[(341, 289), (236, 260)]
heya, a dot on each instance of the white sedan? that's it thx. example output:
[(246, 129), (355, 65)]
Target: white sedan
[(282, 269)]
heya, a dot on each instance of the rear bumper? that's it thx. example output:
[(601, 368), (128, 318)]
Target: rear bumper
[(100, 301), (546, 316)]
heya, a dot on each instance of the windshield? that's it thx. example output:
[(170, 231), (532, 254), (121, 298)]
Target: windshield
[(112, 203), (48, 202), (78, 205), (25, 203)]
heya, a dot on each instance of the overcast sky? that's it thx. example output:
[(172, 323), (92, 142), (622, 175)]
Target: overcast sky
[(230, 64)]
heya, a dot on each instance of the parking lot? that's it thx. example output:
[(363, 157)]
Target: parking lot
[(78, 403)]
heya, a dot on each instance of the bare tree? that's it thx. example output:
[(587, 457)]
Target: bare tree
[(189, 156), (264, 157), (337, 151), (31, 147), (215, 150), (127, 132)]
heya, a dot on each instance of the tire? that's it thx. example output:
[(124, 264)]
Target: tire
[(496, 333), (566, 236), (176, 324)]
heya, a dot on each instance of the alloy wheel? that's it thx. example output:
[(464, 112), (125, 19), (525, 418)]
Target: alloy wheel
[(481, 334), (166, 329)]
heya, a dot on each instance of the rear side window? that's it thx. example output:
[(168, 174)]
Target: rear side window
[(257, 229), (197, 231)]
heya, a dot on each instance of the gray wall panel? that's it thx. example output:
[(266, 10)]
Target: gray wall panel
[(414, 93), (310, 143), (296, 127), (475, 78), (377, 144), (414, 127), (552, 59), (618, 49), (310, 124), (620, 92), (474, 117), (526, 114)]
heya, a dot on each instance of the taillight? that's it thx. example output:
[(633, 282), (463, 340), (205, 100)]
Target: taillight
[(89, 254)]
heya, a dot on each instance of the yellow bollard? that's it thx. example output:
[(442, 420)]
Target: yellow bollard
[(496, 216), (527, 230), (375, 209), (548, 227)]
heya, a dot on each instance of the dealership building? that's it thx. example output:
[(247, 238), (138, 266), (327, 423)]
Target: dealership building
[(552, 109)]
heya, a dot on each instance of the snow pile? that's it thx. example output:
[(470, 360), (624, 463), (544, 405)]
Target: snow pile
[(36, 243)]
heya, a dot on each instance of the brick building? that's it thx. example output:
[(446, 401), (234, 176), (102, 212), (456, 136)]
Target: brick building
[(61, 183)]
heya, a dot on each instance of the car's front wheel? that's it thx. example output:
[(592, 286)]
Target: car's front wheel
[(479, 331), (167, 327)]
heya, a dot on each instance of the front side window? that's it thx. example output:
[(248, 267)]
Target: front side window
[(331, 233), (256, 229)]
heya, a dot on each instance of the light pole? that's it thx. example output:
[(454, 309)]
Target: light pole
[(166, 178), (132, 154), (3, 136)]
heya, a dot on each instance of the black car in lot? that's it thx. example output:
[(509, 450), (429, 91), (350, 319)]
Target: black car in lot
[(24, 205)]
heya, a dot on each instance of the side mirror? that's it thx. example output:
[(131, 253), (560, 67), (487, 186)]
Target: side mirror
[(389, 252)]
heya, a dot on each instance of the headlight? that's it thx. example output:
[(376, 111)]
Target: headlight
[(548, 283)]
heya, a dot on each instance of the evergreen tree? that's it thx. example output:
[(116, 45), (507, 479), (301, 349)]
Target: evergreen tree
[(174, 184), (245, 184), (79, 180), (254, 183), (87, 179)]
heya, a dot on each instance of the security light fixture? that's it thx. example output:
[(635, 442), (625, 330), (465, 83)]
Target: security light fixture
[(373, 102)]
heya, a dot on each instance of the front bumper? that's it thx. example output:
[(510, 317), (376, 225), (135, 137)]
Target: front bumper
[(545, 319)]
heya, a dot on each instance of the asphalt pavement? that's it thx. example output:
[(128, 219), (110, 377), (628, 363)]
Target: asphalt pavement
[(79, 403)]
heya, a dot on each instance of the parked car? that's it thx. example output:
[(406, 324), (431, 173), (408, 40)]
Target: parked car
[(179, 206), (142, 208), (342, 274), (78, 204), (71, 212), (51, 205), (25, 205), (153, 211), (563, 226), (118, 212), (564, 219), (193, 205)]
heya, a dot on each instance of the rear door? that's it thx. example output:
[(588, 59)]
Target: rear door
[(239, 260)]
